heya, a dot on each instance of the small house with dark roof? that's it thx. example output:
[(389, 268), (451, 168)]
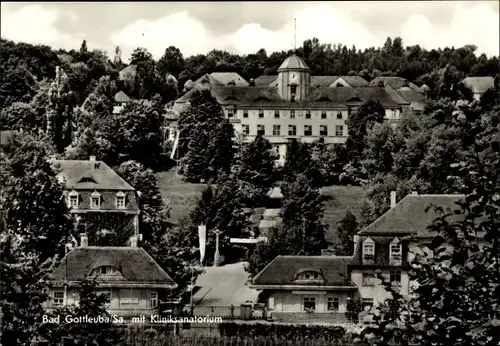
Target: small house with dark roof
[(292, 104), (92, 187), (129, 276), (307, 288), (121, 99), (479, 85), (389, 243)]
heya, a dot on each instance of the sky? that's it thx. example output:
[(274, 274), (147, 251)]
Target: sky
[(246, 27)]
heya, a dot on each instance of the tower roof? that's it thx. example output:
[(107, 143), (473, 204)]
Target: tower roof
[(293, 62)]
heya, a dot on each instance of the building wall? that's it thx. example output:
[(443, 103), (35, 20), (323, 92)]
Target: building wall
[(376, 291), (285, 119), (292, 301), (124, 301)]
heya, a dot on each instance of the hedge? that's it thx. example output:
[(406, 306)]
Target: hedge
[(281, 331)]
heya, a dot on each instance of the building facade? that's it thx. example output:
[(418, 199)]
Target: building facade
[(130, 278), (387, 245), (91, 187), (293, 104)]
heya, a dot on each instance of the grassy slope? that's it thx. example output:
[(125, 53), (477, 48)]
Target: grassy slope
[(182, 197)]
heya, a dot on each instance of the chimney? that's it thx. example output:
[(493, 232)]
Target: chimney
[(133, 241), (393, 199), (92, 158), (355, 240), (84, 240)]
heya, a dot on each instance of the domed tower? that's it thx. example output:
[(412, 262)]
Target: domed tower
[(294, 79)]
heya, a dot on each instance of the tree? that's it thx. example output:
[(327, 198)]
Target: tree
[(154, 212), (171, 62), (347, 228), (37, 225), (257, 163), (205, 140), (59, 111), (299, 161), (456, 298), (377, 154), (370, 112), (302, 232), (18, 85)]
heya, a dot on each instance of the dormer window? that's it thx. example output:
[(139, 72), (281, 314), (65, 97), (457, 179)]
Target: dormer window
[(396, 251), (120, 200), (368, 249), (105, 271), (308, 275), (95, 200), (73, 197)]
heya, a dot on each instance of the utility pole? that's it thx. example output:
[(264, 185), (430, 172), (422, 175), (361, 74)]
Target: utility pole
[(217, 254)]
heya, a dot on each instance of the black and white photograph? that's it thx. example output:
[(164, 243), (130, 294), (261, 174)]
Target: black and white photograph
[(288, 173)]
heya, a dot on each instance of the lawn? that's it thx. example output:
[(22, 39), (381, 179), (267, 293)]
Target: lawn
[(181, 196), (340, 199)]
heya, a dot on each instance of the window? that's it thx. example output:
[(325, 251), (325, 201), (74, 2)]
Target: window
[(308, 114), (58, 298), (368, 279), (261, 130), (323, 130), (308, 130), (73, 201), (246, 129), (261, 113), (333, 304), (339, 115), (292, 114), (339, 130), (309, 304), (108, 271), (154, 299), (276, 130), (395, 252), (292, 130), (395, 277), (120, 200), (230, 113), (245, 113), (368, 249), (323, 114), (276, 114)]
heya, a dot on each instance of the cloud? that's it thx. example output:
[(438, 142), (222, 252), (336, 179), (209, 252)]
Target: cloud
[(36, 25), (477, 25)]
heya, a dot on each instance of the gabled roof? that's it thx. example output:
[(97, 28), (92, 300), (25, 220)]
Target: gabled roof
[(135, 264), (293, 62), (106, 178), (121, 97), (264, 80), (354, 81), (411, 215), (385, 97), (128, 71), (395, 82), (479, 84), (225, 77), (323, 81), (283, 269)]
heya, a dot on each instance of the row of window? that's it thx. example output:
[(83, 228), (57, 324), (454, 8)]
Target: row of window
[(394, 277), (95, 200), (309, 304), (58, 299), (232, 111), (395, 250), (292, 130)]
